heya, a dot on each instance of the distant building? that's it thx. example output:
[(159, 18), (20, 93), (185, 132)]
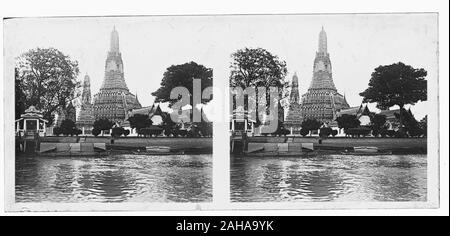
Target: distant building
[(322, 100), (114, 100), (363, 114), (85, 119)]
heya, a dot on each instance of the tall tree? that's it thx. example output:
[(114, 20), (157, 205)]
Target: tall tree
[(257, 67), (20, 98), (183, 75), (396, 84), (48, 79)]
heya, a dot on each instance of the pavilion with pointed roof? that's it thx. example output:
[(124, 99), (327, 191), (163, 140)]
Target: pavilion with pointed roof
[(31, 123)]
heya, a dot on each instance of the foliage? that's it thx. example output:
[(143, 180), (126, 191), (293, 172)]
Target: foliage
[(256, 67), (67, 127), (396, 84), (139, 121), (423, 125), (57, 131), (20, 98), (325, 132), (96, 132), (103, 124), (205, 128), (47, 78), (183, 75), (347, 121), (411, 125), (311, 124), (117, 131), (357, 132), (334, 132), (126, 132), (378, 124), (150, 131), (304, 132)]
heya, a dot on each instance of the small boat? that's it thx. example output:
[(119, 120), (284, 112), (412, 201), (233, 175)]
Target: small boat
[(364, 149)]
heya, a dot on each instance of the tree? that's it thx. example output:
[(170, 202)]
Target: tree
[(256, 67), (117, 131), (347, 122), (103, 124), (311, 124), (68, 127), (183, 75), (396, 84), (423, 125), (378, 123), (47, 78), (140, 121), (20, 98)]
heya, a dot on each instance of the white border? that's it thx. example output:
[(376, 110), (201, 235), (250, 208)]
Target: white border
[(221, 163)]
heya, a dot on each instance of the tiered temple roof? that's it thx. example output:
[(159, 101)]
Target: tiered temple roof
[(293, 118), (85, 116), (322, 101), (114, 99)]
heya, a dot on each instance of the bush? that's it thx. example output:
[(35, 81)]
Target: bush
[(77, 132), (325, 132), (334, 132), (391, 133), (361, 131), (304, 132), (96, 132), (151, 131), (57, 131), (117, 131), (126, 132)]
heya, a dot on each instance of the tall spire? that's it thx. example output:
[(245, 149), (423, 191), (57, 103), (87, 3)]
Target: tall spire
[(322, 41), (114, 41), (294, 96), (86, 95)]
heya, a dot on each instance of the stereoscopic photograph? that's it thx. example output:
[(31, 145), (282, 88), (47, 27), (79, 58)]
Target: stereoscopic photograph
[(307, 108)]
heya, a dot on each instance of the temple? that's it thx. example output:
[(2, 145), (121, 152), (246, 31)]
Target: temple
[(293, 119), (322, 100), (114, 100), (85, 117)]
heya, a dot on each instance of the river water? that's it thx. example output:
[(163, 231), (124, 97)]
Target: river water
[(118, 178), (329, 178)]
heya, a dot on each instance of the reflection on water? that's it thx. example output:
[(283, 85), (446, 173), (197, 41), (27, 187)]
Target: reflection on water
[(119, 178), (329, 178)]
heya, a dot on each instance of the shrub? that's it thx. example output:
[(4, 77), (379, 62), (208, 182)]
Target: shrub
[(325, 132), (96, 132), (77, 132), (153, 130), (57, 131), (334, 132), (126, 132), (361, 131), (391, 133), (117, 131), (304, 132)]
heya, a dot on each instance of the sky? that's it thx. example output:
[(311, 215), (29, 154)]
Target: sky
[(357, 44)]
